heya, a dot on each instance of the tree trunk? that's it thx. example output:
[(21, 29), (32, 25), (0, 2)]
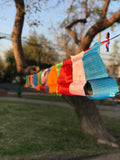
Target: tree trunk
[(90, 119), (16, 35), (16, 41)]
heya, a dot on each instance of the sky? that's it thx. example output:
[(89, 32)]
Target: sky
[(7, 16), (56, 15)]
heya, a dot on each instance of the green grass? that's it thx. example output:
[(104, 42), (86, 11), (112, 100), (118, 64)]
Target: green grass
[(45, 97), (28, 130), (113, 126)]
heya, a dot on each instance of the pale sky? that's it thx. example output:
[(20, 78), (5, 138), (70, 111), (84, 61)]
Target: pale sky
[(7, 15)]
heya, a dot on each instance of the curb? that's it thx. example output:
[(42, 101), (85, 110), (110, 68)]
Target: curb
[(74, 156)]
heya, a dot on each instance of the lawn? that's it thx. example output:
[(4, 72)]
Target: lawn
[(45, 97), (32, 130)]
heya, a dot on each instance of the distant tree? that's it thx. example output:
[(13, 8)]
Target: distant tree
[(65, 43), (2, 69), (39, 51), (10, 69)]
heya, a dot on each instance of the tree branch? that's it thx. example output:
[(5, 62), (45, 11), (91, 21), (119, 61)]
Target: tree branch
[(114, 18), (73, 34), (76, 21), (101, 25), (105, 8), (86, 9)]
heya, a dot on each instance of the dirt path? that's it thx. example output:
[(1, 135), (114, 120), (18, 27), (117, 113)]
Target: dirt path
[(110, 156), (61, 104), (110, 111), (113, 112)]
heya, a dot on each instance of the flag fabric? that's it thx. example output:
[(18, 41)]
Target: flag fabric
[(70, 76), (78, 75)]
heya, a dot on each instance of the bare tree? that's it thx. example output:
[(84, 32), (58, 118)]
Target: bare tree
[(65, 43), (90, 120)]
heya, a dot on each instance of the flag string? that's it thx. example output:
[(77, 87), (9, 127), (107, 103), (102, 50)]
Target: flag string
[(104, 42)]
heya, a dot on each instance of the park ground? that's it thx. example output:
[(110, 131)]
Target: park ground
[(109, 111)]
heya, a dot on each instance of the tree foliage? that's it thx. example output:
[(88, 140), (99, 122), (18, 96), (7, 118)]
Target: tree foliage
[(65, 43), (10, 69), (37, 51), (2, 69), (32, 10)]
